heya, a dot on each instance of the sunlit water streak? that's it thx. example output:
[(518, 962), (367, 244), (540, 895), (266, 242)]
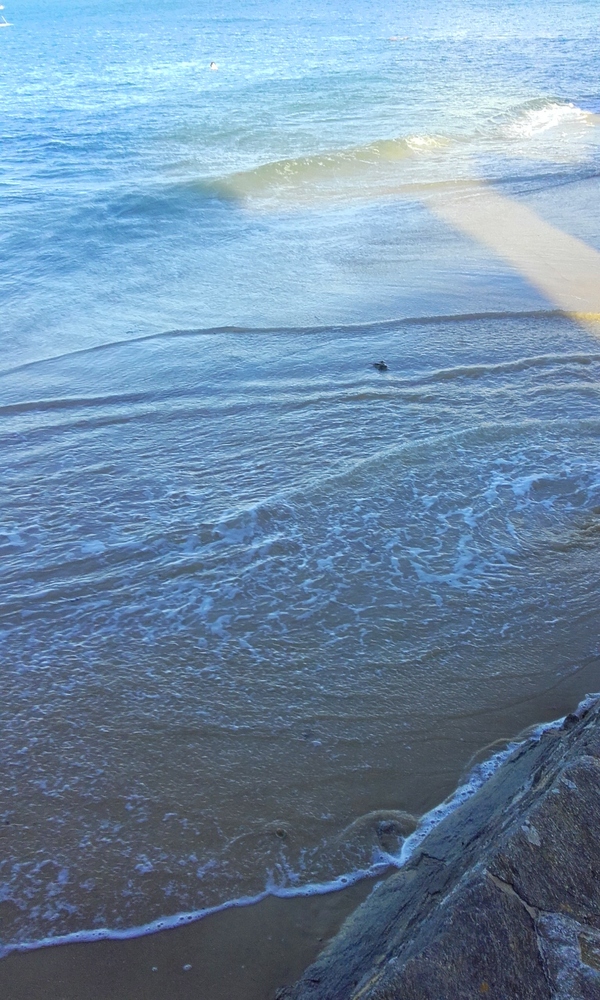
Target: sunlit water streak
[(254, 589)]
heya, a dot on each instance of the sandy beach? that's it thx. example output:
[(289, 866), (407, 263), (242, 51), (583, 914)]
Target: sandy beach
[(240, 954)]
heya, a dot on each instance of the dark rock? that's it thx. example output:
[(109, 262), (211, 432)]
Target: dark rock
[(501, 899)]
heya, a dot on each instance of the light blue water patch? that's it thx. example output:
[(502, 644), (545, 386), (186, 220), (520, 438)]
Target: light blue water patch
[(131, 198)]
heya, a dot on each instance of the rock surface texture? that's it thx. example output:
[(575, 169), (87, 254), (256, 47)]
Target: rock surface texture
[(501, 900)]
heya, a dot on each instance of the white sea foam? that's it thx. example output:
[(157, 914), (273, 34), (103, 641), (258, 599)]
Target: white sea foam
[(533, 121), (478, 776)]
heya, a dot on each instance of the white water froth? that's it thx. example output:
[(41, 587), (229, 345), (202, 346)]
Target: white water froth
[(540, 119), (477, 778)]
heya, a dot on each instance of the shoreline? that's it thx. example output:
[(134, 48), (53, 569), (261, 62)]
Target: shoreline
[(476, 775), (240, 952), (247, 951), (178, 920)]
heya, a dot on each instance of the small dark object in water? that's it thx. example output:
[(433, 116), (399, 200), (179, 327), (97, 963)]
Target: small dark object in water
[(380, 366)]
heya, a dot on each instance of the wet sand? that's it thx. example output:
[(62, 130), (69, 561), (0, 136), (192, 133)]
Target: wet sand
[(244, 952)]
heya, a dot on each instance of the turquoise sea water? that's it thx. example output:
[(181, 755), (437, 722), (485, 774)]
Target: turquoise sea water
[(254, 589)]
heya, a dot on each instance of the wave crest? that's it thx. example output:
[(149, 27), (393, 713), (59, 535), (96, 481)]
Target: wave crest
[(536, 117)]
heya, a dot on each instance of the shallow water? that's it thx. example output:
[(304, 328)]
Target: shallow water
[(254, 589)]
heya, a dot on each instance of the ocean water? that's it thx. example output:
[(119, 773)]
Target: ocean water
[(261, 601)]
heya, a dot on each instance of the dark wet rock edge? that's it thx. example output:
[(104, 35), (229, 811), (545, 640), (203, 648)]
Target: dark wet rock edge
[(500, 900)]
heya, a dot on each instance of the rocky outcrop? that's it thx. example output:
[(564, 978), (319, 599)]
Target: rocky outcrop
[(501, 900)]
